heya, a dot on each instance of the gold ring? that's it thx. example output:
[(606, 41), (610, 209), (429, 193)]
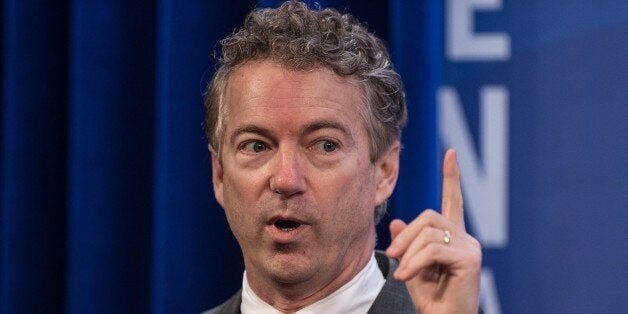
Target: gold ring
[(447, 237)]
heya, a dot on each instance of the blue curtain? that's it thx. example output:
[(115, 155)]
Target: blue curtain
[(106, 197), (416, 44)]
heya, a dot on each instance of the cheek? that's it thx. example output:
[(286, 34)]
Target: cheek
[(241, 194), (242, 186), (354, 198)]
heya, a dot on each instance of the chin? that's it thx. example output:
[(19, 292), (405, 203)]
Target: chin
[(292, 277), (291, 268)]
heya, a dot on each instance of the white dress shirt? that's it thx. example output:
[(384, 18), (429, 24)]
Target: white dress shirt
[(355, 297)]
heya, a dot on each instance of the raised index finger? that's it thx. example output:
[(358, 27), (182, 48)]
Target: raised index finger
[(451, 206)]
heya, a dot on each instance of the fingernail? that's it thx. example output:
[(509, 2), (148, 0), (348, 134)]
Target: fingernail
[(398, 274), (392, 249)]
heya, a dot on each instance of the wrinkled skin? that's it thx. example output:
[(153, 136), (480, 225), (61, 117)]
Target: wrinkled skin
[(299, 193), (295, 148)]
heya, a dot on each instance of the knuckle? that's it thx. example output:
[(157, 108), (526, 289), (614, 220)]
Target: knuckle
[(428, 214), (474, 254), (430, 232), (433, 249), (433, 233), (475, 258), (476, 244)]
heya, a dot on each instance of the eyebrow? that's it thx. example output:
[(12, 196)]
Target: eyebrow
[(309, 128), (249, 128), (325, 124)]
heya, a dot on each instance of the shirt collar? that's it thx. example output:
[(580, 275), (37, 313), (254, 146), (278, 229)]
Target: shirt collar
[(356, 296)]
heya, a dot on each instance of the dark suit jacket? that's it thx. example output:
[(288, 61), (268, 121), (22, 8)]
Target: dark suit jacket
[(393, 298)]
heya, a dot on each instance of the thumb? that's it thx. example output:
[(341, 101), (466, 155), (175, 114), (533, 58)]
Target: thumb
[(396, 226)]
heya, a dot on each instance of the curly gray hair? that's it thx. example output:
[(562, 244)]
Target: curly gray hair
[(300, 38)]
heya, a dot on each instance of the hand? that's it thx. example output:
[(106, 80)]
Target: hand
[(441, 277)]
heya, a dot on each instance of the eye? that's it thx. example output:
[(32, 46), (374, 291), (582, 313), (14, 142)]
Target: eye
[(327, 145), (255, 146)]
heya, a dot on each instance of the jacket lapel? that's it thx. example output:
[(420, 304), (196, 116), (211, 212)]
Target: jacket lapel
[(394, 297)]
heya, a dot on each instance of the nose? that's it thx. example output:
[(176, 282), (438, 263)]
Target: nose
[(287, 177)]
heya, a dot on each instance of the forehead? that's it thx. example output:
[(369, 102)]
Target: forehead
[(267, 91)]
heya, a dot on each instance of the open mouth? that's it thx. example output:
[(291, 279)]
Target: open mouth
[(286, 225), (284, 230)]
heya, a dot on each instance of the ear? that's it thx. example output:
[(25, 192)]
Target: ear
[(217, 175), (386, 173)]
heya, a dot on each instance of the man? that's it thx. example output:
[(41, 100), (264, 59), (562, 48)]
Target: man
[(304, 118)]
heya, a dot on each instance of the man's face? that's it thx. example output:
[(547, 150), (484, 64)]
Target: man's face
[(295, 178)]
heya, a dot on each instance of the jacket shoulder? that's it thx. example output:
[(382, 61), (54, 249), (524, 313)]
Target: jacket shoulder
[(231, 306)]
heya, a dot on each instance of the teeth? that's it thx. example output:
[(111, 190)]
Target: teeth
[(286, 229)]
